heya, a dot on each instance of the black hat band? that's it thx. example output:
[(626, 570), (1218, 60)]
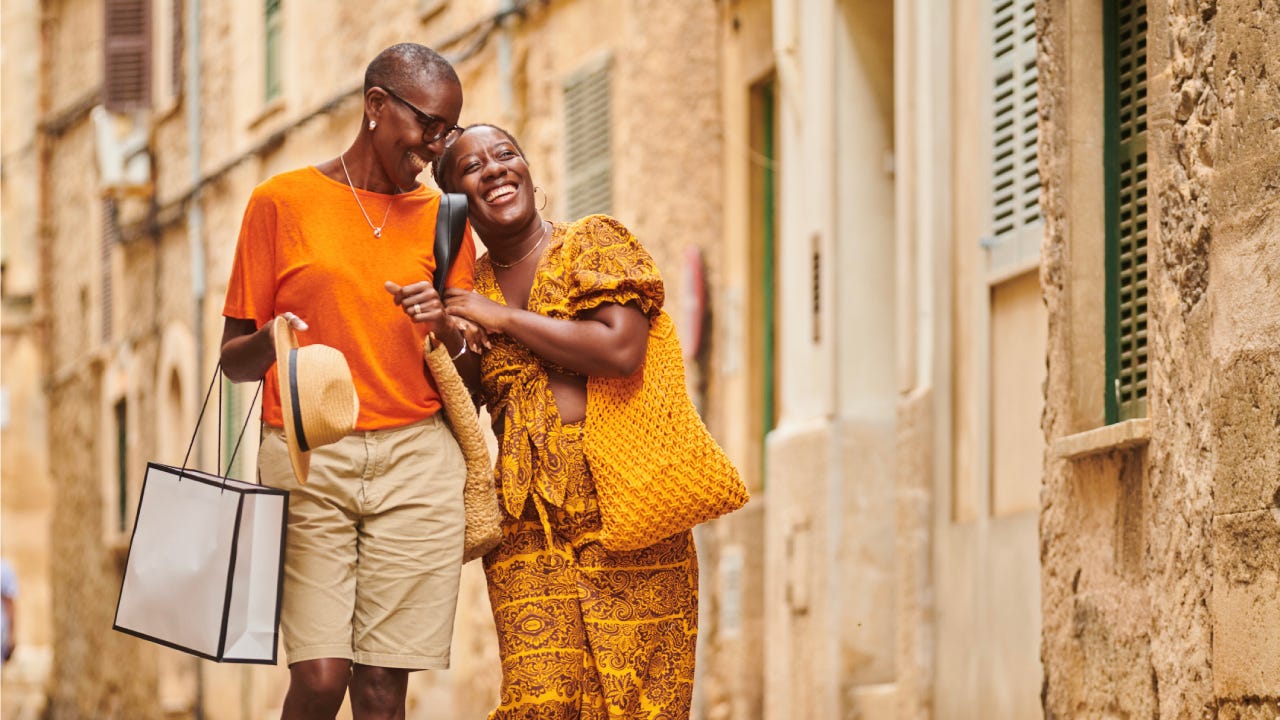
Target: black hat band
[(298, 433)]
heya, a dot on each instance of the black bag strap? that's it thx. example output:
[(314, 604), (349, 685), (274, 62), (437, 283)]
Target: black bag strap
[(451, 220), (217, 377)]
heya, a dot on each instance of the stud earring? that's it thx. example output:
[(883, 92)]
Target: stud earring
[(373, 124)]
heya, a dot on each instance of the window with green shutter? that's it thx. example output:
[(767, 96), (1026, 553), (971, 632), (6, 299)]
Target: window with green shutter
[(587, 136), (271, 50), (1016, 224), (1125, 151), (764, 201)]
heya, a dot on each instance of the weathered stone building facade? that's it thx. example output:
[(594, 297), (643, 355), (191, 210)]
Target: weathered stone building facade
[(1160, 528), (876, 220), (132, 268)]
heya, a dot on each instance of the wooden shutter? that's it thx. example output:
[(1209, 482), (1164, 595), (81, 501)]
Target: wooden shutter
[(127, 55), (588, 153), (1125, 48), (176, 51), (110, 239), (1015, 193)]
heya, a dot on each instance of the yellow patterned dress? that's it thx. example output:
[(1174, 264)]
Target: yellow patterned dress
[(583, 632)]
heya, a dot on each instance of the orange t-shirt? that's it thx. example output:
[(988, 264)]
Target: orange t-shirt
[(305, 247)]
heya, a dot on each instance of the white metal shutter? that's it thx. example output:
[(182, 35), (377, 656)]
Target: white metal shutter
[(1016, 223)]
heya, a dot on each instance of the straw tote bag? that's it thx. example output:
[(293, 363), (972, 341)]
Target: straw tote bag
[(479, 495), (657, 469)]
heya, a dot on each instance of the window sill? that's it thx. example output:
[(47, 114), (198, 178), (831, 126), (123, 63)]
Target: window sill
[(166, 109), (1013, 271), (1109, 438), (270, 110), (428, 9)]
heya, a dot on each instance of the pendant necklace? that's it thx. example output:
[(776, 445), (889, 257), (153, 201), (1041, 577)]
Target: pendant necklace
[(522, 258), (377, 230)]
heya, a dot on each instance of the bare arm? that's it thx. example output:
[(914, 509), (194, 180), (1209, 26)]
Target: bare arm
[(248, 351), (609, 341)]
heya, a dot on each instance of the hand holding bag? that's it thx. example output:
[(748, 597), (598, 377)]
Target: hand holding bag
[(205, 561), (657, 469), (479, 495)]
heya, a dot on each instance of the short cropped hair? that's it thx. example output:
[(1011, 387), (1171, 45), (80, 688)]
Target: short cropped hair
[(401, 64)]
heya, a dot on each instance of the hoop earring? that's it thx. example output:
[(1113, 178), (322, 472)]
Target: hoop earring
[(544, 197), (373, 124)]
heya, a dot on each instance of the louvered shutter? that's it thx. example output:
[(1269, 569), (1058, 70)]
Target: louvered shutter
[(176, 51), (121, 412), (110, 239), (271, 50), (588, 153), (1015, 194), (1126, 207), (127, 55)]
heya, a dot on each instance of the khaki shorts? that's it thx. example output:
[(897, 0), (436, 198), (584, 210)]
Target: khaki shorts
[(374, 546)]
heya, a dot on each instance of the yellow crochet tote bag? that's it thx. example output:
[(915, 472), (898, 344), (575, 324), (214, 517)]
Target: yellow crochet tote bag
[(657, 469)]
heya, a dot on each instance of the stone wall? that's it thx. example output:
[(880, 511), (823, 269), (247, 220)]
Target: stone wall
[(24, 466), (1230, 89), (1178, 517), (1160, 585)]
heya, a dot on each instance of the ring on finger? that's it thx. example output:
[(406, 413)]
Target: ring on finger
[(416, 309)]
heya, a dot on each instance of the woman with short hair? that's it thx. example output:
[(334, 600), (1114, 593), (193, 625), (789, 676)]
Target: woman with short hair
[(375, 537)]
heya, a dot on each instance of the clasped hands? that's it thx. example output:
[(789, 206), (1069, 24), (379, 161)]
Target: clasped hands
[(422, 303), (469, 313)]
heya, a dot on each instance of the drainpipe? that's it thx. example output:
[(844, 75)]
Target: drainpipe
[(195, 212), (195, 241)]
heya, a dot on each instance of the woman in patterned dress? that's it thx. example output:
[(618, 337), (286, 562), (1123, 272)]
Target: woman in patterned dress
[(583, 632)]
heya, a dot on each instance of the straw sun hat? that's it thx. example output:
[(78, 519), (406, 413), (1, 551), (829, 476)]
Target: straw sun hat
[(317, 396)]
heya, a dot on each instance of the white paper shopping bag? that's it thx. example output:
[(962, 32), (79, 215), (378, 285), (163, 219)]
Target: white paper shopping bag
[(205, 566)]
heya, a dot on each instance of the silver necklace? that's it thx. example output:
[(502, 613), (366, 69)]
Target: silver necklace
[(525, 256), (377, 230)]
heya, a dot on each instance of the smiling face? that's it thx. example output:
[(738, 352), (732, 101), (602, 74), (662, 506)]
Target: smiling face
[(487, 165), (401, 142)]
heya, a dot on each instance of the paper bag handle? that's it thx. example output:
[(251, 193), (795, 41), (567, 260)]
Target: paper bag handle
[(217, 376)]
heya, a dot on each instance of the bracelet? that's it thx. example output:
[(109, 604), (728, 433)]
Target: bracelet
[(463, 351)]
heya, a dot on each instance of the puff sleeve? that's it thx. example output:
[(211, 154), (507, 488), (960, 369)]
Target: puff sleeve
[(606, 264)]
